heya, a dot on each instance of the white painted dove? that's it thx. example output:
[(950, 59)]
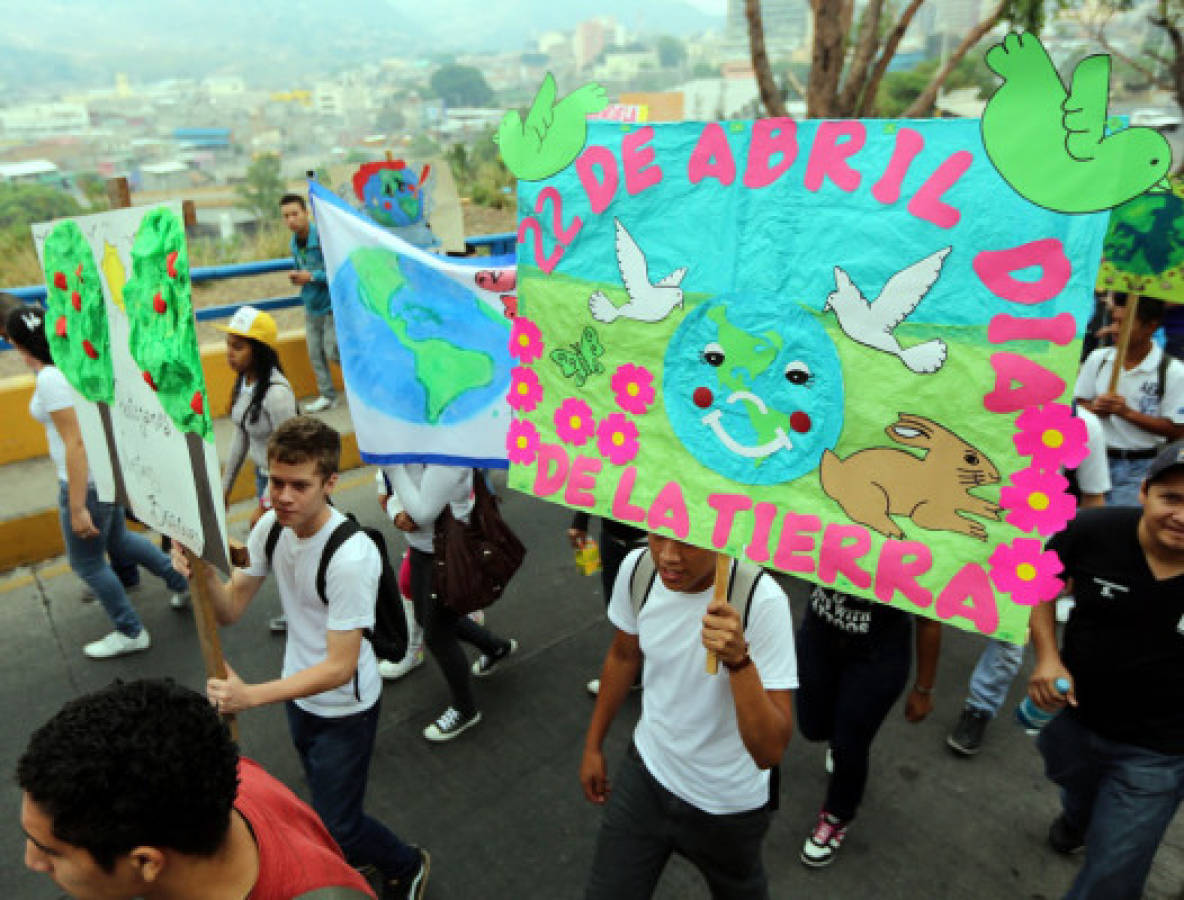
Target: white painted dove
[(873, 324), (648, 302)]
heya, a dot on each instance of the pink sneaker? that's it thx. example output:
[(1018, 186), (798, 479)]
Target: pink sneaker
[(824, 842)]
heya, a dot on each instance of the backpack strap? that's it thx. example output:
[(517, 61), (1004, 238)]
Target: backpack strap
[(340, 535), (742, 585), (273, 538), (642, 581)]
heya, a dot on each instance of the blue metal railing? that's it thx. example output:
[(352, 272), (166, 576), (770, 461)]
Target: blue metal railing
[(497, 244)]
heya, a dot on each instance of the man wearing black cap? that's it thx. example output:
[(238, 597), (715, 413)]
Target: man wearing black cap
[(1117, 750)]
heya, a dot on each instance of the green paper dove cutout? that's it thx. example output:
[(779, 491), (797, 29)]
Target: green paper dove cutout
[(1051, 145), (553, 134)]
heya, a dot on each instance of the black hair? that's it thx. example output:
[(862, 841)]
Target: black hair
[(8, 303), (264, 361), (25, 327), (1150, 310), (142, 763), (293, 198)]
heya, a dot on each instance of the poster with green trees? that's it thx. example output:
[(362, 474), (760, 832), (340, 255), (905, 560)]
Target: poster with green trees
[(159, 414)]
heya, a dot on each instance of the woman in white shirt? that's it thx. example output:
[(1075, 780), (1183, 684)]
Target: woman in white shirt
[(90, 528)]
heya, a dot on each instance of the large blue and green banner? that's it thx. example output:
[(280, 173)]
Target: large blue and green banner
[(842, 349)]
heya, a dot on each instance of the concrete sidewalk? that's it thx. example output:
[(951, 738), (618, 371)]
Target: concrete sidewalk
[(501, 808)]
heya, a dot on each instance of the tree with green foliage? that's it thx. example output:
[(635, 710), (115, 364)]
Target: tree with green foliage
[(23, 204), (461, 86), (94, 188), (851, 58), (261, 191), (672, 52), (77, 331), (163, 342)]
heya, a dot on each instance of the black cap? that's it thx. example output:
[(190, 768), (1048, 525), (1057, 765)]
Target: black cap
[(1172, 457)]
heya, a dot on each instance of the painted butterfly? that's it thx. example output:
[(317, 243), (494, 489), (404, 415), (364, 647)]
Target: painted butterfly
[(582, 360)]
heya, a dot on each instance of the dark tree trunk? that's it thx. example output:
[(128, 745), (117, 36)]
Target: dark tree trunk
[(214, 551), (867, 102), (832, 18), (121, 495), (770, 94), (865, 51)]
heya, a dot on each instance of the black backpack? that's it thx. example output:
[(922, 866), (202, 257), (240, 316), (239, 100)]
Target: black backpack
[(388, 637)]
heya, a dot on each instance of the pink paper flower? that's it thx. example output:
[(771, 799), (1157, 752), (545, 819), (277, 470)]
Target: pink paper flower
[(1052, 436), (573, 422), (616, 438), (522, 442), (1026, 571), (1038, 501), (634, 387), (526, 341), (525, 390)]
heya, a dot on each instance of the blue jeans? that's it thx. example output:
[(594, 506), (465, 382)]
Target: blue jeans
[(335, 753), (322, 347), (993, 675), (88, 558), (1125, 477), (1121, 797), (644, 823)]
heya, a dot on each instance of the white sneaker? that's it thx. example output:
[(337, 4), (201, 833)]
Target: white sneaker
[(451, 724), (179, 601), (829, 765), (395, 670), (593, 687), (320, 404), (118, 644)]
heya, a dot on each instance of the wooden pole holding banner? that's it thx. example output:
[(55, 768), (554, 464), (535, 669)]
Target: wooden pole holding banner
[(1124, 340), (207, 628), (119, 193), (723, 569)]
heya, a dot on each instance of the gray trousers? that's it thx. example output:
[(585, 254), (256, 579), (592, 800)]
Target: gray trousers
[(644, 823), (322, 348)]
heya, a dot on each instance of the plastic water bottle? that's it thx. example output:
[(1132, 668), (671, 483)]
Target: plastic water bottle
[(1032, 717)]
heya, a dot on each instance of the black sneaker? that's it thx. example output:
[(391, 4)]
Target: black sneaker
[(1063, 837), (967, 737), (451, 724), (484, 665), (410, 887)]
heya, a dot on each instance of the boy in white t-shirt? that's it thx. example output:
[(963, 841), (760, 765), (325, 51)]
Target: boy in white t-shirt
[(696, 779), (329, 684), (1146, 410)]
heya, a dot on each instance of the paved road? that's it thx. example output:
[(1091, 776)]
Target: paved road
[(501, 810)]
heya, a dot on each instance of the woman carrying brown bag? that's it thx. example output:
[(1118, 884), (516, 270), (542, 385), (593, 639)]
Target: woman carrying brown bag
[(420, 494)]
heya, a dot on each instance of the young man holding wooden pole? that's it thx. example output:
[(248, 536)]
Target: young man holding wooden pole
[(696, 779), (330, 685), (1140, 401)]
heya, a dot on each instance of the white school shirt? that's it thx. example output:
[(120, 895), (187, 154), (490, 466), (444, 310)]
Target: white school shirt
[(52, 392), (687, 735), (1139, 386), (1093, 475), (351, 585)]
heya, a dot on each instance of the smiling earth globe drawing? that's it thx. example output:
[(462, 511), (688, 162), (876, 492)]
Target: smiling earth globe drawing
[(753, 388)]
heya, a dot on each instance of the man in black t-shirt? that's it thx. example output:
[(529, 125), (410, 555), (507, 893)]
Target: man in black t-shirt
[(1117, 751)]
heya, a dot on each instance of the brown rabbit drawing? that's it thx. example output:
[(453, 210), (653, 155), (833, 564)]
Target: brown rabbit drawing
[(933, 490)]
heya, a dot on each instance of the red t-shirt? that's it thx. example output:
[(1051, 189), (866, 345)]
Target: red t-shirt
[(296, 852)]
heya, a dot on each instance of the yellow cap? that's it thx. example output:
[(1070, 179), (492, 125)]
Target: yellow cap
[(255, 324)]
